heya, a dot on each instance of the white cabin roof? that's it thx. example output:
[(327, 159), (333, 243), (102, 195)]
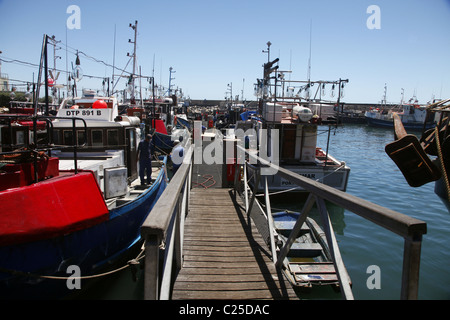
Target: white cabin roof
[(83, 107)]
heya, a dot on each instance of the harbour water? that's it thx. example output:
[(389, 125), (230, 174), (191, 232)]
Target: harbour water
[(374, 177)]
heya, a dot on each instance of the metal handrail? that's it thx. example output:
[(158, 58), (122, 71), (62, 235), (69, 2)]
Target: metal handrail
[(50, 146), (409, 228), (164, 227)]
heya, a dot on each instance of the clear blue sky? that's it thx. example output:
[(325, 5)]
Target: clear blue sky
[(213, 43)]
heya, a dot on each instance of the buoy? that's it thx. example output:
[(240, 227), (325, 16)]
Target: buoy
[(304, 114), (99, 104)]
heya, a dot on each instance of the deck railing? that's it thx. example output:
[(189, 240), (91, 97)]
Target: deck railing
[(163, 232), (409, 228), (164, 227)]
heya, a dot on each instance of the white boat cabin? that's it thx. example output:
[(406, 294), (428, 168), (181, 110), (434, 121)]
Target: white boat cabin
[(103, 140)]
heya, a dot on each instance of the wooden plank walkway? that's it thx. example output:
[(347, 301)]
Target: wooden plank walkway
[(224, 256)]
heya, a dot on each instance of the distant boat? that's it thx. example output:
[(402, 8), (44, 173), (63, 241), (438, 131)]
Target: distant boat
[(297, 128), (73, 200), (413, 116), (157, 117), (412, 156), (181, 121)]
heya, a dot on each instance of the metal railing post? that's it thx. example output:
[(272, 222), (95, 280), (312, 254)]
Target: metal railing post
[(245, 186), (255, 189), (151, 271), (411, 266), (270, 220)]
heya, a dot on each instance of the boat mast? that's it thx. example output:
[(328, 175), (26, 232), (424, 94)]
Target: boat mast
[(309, 62), (43, 61), (170, 80), (134, 27), (114, 59), (401, 102)]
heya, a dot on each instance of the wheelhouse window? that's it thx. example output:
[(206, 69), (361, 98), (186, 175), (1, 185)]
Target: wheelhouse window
[(113, 137), (68, 138), (97, 138), (81, 138), (20, 137), (56, 137), (132, 139)]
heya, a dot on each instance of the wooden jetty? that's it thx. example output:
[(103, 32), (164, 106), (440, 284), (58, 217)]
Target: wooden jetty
[(202, 243), (225, 257)]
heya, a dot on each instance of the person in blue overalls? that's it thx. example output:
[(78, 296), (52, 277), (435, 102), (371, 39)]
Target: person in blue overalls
[(144, 156), (177, 155)]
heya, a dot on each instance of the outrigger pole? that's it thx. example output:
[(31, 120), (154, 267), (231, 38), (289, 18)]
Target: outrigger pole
[(43, 61)]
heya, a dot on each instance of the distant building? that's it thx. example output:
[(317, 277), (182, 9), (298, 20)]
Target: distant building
[(4, 80)]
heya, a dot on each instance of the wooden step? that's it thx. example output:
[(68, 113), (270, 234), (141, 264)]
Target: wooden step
[(305, 250), (289, 225), (313, 272)]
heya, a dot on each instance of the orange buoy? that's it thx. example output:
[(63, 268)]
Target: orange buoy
[(99, 104)]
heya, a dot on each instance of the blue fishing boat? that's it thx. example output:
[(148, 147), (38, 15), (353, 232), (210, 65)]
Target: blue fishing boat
[(182, 122), (76, 208)]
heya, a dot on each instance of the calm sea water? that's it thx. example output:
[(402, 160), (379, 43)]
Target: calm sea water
[(374, 177)]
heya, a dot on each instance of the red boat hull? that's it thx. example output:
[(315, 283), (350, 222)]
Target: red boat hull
[(51, 208)]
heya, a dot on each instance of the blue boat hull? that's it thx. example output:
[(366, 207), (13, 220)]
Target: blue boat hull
[(441, 190), (390, 124), (163, 141), (92, 250), (184, 123)]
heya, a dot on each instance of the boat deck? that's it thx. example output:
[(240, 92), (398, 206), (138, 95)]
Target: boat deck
[(225, 257)]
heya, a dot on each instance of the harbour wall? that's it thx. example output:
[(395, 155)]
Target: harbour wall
[(253, 104)]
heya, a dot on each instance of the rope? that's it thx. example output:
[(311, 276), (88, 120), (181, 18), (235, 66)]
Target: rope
[(29, 274), (161, 150), (441, 158), (208, 177)]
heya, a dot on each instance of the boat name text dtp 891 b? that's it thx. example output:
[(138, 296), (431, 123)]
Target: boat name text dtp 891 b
[(70, 113)]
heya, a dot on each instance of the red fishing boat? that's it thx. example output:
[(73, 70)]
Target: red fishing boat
[(71, 198)]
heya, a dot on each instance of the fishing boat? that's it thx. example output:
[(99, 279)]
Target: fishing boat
[(413, 116), (71, 200), (181, 121), (290, 139), (427, 159), (157, 118), (309, 261), (165, 141)]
